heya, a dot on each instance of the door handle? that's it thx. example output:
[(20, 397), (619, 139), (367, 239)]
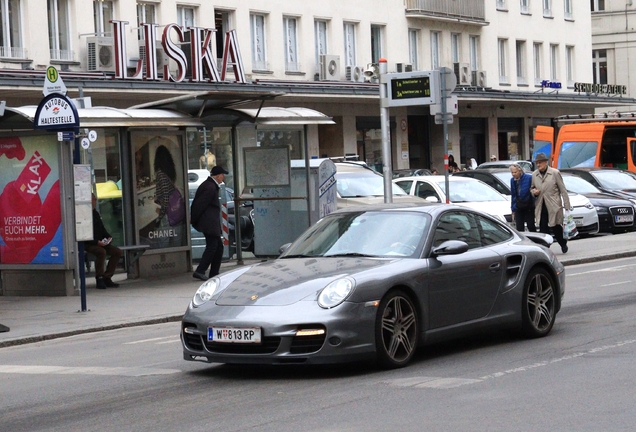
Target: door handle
[(495, 267)]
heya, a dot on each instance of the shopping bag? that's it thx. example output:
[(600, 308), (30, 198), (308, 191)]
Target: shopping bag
[(569, 226)]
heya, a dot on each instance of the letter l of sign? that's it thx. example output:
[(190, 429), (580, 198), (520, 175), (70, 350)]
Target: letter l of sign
[(121, 59)]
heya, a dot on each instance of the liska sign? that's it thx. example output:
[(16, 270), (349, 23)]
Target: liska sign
[(203, 64)]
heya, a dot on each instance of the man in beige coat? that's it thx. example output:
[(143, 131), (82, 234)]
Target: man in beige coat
[(551, 198)]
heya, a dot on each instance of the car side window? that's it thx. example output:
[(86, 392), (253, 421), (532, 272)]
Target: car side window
[(405, 185), (425, 190), (492, 232), (492, 183), (457, 226)]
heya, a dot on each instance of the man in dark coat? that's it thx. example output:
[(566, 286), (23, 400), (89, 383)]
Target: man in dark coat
[(521, 199), (101, 246), (205, 214)]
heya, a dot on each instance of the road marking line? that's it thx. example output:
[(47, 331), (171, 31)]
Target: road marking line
[(609, 269), (617, 283), (170, 341), (93, 370), (449, 383), (148, 340)]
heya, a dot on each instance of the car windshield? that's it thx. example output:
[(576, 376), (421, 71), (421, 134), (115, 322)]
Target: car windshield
[(578, 185), (470, 191), (504, 176), (363, 184), (577, 154), (372, 233), (615, 180)]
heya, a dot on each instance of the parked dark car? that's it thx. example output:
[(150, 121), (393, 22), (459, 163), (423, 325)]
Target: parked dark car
[(377, 282), (526, 165), (411, 172), (615, 214), (497, 178), (617, 182)]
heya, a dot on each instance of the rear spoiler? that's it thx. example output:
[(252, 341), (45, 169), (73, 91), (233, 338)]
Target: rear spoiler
[(540, 238)]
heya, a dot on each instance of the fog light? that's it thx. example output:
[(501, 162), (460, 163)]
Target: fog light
[(310, 332), (334, 340)]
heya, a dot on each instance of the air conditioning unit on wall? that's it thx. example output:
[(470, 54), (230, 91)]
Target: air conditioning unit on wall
[(462, 72), (329, 67), (160, 55), (100, 54), (479, 78), (354, 73), (403, 67)]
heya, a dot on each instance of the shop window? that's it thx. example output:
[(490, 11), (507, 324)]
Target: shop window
[(282, 137)]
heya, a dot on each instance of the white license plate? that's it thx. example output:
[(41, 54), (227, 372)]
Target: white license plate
[(234, 334), (626, 218), (578, 222)]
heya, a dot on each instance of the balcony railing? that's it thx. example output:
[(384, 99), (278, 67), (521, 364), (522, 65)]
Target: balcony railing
[(13, 52), (468, 11), (65, 55)]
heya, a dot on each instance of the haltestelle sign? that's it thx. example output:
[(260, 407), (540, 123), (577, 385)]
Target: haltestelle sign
[(203, 64)]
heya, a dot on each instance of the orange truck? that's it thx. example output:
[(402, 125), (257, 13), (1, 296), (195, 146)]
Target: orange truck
[(605, 140)]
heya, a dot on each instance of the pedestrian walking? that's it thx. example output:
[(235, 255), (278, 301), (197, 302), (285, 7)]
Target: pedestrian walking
[(522, 200), (206, 217), (551, 198), (101, 247)]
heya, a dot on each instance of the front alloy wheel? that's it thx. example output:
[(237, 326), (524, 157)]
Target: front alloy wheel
[(396, 330), (539, 304)]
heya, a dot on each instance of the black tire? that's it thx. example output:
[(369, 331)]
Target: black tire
[(396, 330), (539, 304)]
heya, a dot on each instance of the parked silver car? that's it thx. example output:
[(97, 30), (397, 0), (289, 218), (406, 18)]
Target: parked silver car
[(376, 282)]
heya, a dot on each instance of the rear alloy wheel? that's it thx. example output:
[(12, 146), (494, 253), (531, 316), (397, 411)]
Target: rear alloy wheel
[(396, 330), (539, 304)]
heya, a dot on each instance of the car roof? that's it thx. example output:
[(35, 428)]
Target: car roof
[(436, 178), (352, 167)]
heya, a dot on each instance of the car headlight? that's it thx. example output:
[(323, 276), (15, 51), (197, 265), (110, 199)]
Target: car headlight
[(589, 206), (335, 293), (206, 291)]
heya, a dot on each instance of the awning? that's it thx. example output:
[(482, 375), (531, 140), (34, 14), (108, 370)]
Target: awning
[(265, 116), (22, 118)]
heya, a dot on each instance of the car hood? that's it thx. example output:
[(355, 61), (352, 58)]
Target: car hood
[(608, 200), (286, 281), (494, 208)]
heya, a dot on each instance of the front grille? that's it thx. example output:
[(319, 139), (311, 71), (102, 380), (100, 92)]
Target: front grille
[(306, 344), (268, 345), (622, 211)]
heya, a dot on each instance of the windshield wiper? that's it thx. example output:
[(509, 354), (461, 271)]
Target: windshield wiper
[(299, 256), (350, 254)]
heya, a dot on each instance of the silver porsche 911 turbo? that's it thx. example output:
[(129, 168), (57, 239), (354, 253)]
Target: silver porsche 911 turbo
[(376, 283)]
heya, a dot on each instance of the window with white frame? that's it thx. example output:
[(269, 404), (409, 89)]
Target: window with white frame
[(525, 6), (455, 47), (413, 48), (554, 62), (598, 5), (376, 43), (59, 31), (537, 49), (102, 14), (502, 48), (349, 43), (599, 64), (290, 29), (547, 8), (223, 23), (473, 46), (259, 44), (320, 35), (569, 65), (501, 5), (567, 9), (521, 61), (145, 15), (186, 16), (434, 50)]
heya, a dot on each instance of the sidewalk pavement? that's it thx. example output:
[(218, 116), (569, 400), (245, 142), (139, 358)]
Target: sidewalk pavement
[(150, 301)]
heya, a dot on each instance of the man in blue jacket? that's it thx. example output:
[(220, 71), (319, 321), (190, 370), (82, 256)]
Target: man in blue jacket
[(205, 215), (522, 200)]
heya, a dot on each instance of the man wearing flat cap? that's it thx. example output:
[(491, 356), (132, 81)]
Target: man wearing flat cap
[(551, 198), (205, 215)]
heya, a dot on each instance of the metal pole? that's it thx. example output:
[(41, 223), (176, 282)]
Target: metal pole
[(386, 143), (445, 128), (80, 274)]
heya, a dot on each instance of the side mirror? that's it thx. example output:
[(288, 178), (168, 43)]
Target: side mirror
[(432, 199), (283, 248), (450, 247)]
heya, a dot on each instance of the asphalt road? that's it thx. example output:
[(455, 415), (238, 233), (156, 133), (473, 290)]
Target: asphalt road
[(133, 379)]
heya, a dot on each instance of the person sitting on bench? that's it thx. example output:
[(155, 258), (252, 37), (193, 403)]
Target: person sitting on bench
[(101, 246)]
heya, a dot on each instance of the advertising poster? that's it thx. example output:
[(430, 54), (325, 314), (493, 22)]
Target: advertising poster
[(161, 195), (30, 207)]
